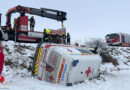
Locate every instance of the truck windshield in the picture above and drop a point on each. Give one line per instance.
(112, 36)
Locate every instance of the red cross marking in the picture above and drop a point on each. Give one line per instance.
(88, 71)
(69, 50)
(49, 69)
(51, 78)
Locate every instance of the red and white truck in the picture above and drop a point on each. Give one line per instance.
(118, 39)
(20, 31)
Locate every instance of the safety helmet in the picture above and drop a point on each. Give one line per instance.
(32, 16)
(47, 31)
(67, 32)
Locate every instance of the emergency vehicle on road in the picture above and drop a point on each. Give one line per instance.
(118, 39)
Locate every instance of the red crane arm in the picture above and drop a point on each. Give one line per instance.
(19, 9)
(43, 12)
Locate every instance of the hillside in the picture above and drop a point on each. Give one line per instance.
(17, 70)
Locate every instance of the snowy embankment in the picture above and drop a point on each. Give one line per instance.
(17, 71)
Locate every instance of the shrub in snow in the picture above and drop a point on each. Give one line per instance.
(103, 50)
(95, 42)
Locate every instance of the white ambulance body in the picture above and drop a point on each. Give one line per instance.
(67, 65)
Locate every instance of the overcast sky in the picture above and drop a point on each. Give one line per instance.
(85, 18)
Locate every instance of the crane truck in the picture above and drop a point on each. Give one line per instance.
(20, 31)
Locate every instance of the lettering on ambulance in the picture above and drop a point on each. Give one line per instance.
(61, 71)
(54, 61)
(69, 50)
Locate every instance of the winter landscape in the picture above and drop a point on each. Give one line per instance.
(101, 25)
(17, 71)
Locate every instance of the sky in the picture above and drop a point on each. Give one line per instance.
(85, 18)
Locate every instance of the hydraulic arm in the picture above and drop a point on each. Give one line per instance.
(20, 31)
(43, 12)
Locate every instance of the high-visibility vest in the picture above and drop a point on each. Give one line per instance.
(47, 31)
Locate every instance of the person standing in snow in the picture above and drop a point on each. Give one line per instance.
(1, 63)
(46, 35)
(57, 38)
(68, 38)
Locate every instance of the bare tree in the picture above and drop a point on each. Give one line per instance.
(95, 42)
(102, 49)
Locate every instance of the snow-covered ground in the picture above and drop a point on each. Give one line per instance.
(18, 58)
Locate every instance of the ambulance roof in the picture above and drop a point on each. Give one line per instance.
(76, 53)
(71, 50)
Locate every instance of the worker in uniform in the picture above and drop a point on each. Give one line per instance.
(46, 36)
(32, 23)
(64, 38)
(1, 63)
(57, 38)
(50, 39)
(68, 38)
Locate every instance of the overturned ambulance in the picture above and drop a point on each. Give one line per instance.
(65, 64)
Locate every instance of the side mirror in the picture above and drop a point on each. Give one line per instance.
(95, 50)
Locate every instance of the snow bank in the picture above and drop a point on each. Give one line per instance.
(17, 71)
(18, 58)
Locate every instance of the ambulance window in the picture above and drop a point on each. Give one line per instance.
(84, 51)
(93, 51)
